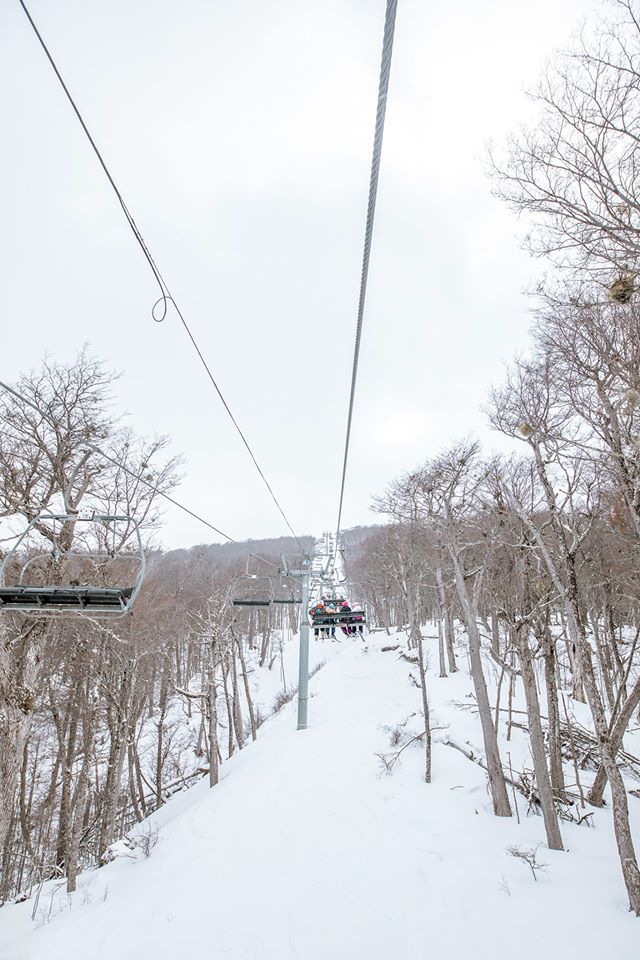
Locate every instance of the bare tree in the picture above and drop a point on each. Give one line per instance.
(525, 408)
(575, 174)
(443, 495)
(518, 542)
(46, 463)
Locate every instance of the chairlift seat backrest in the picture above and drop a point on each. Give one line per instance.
(252, 591)
(286, 593)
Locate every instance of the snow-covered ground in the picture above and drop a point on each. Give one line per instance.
(306, 851)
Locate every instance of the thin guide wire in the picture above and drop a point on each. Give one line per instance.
(165, 294)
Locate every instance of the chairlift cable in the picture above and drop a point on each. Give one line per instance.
(385, 69)
(165, 294)
(121, 466)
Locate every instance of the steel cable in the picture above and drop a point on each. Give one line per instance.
(383, 87)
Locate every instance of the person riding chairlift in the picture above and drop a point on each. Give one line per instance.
(358, 618)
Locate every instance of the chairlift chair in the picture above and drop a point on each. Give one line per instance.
(337, 616)
(252, 591)
(47, 598)
(285, 593)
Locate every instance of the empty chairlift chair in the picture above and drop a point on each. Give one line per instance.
(287, 593)
(59, 580)
(252, 591)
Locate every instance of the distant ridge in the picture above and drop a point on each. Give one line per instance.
(271, 547)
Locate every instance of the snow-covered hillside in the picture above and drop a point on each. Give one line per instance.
(306, 850)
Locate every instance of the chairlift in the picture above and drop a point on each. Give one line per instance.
(34, 592)
(329, 611)
(250, 590)
(286, 593)
(293, 564)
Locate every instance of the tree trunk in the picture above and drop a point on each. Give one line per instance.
(18, 669)
(605, 668)
(448, 620)
(82, 792)
(619, 804)
(596, 793)
(536, 738)
(227, 699)
(425, 708)
(553, 712)
(214, 767)
(237, 709)
(247, 690)
(498, 787)
(441, 660)
(162, 710)
(495, 633)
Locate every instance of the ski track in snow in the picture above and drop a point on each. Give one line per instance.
(304, 851)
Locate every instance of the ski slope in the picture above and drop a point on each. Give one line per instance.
(305, 851)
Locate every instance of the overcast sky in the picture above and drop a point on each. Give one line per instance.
(240, 135)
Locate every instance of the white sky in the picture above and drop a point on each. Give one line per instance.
(240, 135)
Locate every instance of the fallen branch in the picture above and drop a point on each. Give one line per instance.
(524, 783)
(587, 743)
(389, 760)
(527, 792)
(410, 658)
